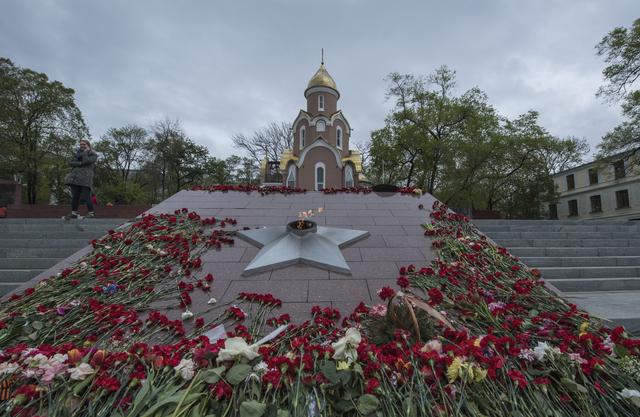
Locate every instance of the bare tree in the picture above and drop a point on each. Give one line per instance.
(269, 141)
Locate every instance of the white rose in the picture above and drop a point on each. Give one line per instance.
(80, 372)
(187, 315)
(185, 368)
(345, 347)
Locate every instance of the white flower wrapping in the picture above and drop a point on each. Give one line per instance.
(186, 369)
(237, 347)
(345, 347)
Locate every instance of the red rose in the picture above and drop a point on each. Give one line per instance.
(372, 384)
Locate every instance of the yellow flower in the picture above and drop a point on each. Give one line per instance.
(583, 328)
(480, 374)
(454, 370)
(342, 365)
(476, 342)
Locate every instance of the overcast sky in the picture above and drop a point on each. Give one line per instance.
(225, 67)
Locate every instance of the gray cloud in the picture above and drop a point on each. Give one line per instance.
(224, 67)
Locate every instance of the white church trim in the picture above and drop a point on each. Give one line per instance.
(320, 143)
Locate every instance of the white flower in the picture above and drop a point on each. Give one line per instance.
(80, 372)
(497, 305)
(629, 393)
(542, 348)
(433, 345)
(345, 347)
(379, 310)
(577, 358)
(608, 343)
(8, 367)
(261, 367)
(187, 315)
(36, 361)
(212, 301)
(185, 368)
(527, 355)
(237, 347)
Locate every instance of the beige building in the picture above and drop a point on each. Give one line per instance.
(320, 157)
(603, 189)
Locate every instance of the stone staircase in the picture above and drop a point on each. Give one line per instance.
(596, 264)
(31, 246)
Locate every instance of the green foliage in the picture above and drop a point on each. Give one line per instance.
(621, 51)
(39, 125)
(460, 149)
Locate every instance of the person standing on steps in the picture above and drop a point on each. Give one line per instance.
(80, 179)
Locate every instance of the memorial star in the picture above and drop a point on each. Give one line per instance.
(282, 246)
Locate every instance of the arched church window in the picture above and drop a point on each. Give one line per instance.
(302, 135)
(348, 177)
(291, 177)
(319, 176)
(321, 103)
(320, 126)
(339, 137)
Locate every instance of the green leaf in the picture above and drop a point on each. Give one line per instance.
(37, 325)
(143, 395)
(211, 376)
(238, 373)
(620, 351)
(345, 377)
(328, 368)
(282, 413)
(635, 401)
(166, 402)
(367, 404)
(252, 408)
(573, 386)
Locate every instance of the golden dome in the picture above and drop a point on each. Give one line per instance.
(322, 79)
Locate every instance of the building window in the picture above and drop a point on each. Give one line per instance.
(302, 135)
(618, 169)
(553, 211)
(593, 176)
(622, 199)
(571, 182)
(320, 126)
(573, 208)
(348, 176)
(319, 176)
(596, 204)
(339, 137)
(291, 178)
(321, 103)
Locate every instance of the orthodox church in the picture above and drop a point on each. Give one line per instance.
(320, 157)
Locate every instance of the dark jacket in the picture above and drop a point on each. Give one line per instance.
(82, 169)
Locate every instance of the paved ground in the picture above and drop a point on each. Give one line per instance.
(396, 239)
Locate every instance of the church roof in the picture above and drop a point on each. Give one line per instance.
(322, 79)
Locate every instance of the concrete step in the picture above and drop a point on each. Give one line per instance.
(43, 243)
(596, 284)
(562, 235)
(78, 222)
(620, 307)
(590, 272)
(574, 252)
(7, 287)
(56, 252)
(18, 275)
(28, 263)
(505, 222)
(569, 243)
(559, 228)
(93, 234)
(12, 228)
(581, 261)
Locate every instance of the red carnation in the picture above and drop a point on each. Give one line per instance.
(403, 281)
(372, 384)
(386, 293)
(435, 296)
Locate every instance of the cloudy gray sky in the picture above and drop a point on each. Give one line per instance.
(225, 67)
